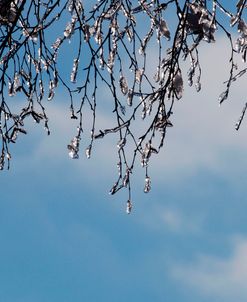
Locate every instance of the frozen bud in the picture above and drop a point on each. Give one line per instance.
(75, 142)
(51, 94)
(121, 143)
(198, 86)
(130, 97)
(17, 82)
(123, 85)
(223, 96)
(46, 128)
(138, 75)
(178, 84)
(55, 79)
(6, 116)
(126, 178)
(101, 58)
(129, 34)
(11, 89)
(238, 45)
(41, 88)
(86, 30)
(128, 207)
(163, 29)
(147, 186)
(111, 59)
(14, 135)
(73, 147)
(57, 44)
(113, 189)
(157, 75)
(88, 151)
(98, 37)
(74, 71)
(8, 156)
(114, 27)
(73, 154)
(69, 30)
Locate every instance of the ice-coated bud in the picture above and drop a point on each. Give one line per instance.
(88, 151)
(123, 85)
(128, 207)
(121, 143)
(130, 97)
(113, 189)
(73, 154)
(73, 147)
(147, 186)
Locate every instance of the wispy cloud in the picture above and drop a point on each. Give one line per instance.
(217, 277)
(171, 219)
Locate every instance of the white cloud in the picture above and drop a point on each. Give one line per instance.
(203, 133)
(171, 219)
(217, 277)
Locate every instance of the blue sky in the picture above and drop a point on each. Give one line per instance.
(63, 238)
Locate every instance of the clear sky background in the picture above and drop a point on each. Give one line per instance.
(63, 238)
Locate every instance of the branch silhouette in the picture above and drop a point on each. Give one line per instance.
(114, 42)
